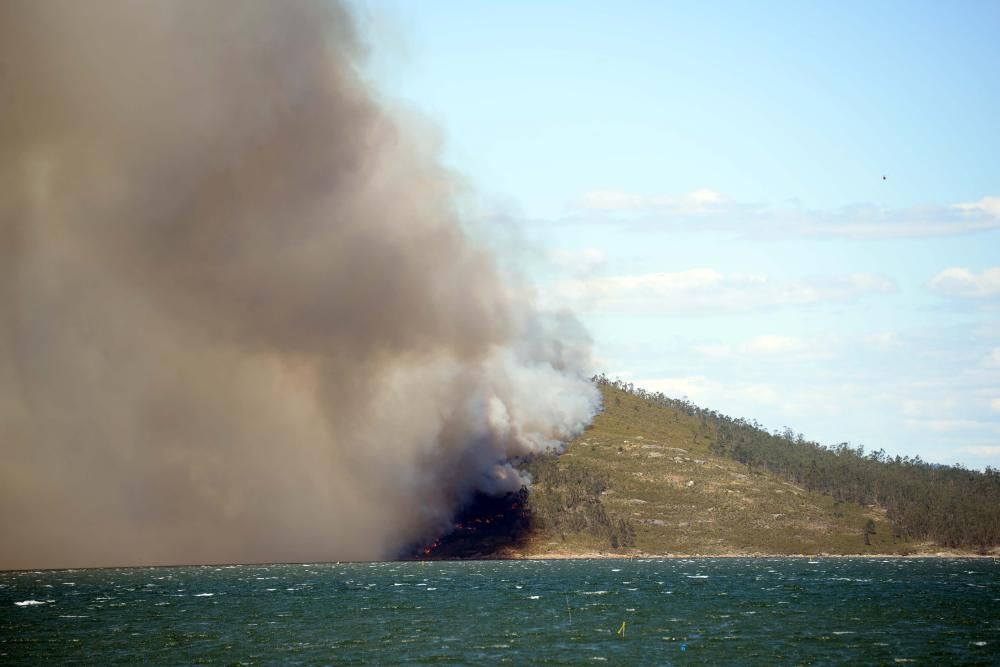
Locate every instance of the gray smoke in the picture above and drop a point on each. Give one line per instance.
(239, 319)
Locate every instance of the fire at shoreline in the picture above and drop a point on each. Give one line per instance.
(485, 527)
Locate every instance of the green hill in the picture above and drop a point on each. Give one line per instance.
(653, 475)
(664, 491)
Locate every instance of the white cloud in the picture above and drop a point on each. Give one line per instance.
(981, 450)
(709, 291)
(579, 260)
(698, 201)
(773, 344)
(758, 393)
(716, 211)
(946, 425)
(749, 398)
(719, 351)
(963, 283)
(694, 386)
(706, 392)
(995, 405)
(766, 345)
(870, 222)
(939, 405)
(883, 341)
(986, 205)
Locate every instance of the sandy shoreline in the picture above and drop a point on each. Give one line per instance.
(593, 555)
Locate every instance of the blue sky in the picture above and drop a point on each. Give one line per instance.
(702, 184)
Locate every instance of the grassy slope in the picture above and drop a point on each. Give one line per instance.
(681, 499)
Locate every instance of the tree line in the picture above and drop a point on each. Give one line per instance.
(567, 499)
(952, 506)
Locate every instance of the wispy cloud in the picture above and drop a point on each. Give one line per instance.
(713, 210)
(578, 260)
(967, 284)
(949, 425)
(987, 205)
(708, 391)
(703, 200)
(708, 291)
(769, 345)
(981, 450)
(751, 398)
(885, 340)
(775, 344)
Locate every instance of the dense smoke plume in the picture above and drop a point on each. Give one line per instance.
(239, 320)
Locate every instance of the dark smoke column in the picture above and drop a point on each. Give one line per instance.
(238, 318)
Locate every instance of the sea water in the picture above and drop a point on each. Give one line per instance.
(641, 611)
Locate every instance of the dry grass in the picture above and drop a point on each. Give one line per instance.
(681, 499)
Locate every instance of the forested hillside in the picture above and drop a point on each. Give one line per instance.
(949, 505)
(655, 475)
(643, 479)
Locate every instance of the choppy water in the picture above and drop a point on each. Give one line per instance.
(698, 611)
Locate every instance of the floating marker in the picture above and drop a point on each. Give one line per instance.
(621, 630)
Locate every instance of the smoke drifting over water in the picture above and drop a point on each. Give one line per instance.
(239, 320)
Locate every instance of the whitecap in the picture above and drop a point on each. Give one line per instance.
(534, 597)
(30, 603)
(980, 643)
(697, 576)
(203, 595)
(593, 592)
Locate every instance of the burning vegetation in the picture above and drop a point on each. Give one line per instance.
(486, 527)
(561, 500)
